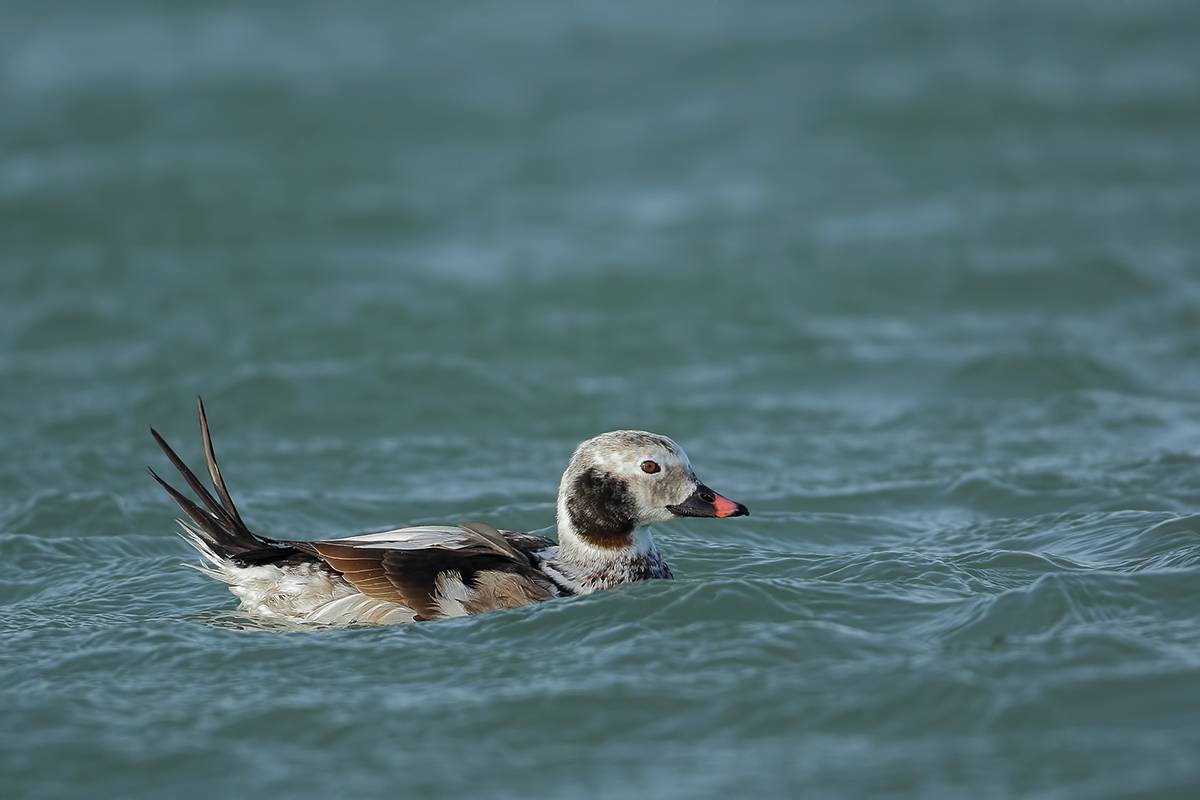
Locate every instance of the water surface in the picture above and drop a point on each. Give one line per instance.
(916, 282)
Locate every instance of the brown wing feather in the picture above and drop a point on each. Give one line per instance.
(495, 591)
(410, 577)
(415, 573)
(529, 544)
(363, 568)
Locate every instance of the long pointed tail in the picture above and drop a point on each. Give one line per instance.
(218, 524)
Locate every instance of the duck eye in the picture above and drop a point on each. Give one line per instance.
(650, 467)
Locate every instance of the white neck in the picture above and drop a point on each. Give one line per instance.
(585, 567)
(574, 548)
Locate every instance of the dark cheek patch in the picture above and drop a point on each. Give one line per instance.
(601, 508)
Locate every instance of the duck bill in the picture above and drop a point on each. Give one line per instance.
(704, 502)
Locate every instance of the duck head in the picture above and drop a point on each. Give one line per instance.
(620, 482)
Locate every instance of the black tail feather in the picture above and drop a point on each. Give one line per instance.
(211, 530)
(219, 524)
(214, 508)
(214, 472)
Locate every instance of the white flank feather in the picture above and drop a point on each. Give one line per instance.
(306, 592)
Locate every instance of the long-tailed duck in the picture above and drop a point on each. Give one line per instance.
(615, 485)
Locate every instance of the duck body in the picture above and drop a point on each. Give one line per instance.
(615, 486)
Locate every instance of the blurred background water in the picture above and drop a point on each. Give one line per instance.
(918, 282)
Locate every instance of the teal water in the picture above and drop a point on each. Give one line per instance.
(917, 282)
